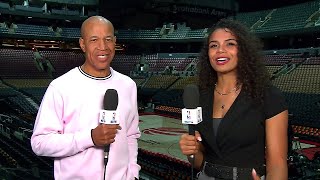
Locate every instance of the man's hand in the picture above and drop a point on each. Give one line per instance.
(104, 134)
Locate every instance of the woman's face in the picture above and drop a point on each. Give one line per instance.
(223, 51)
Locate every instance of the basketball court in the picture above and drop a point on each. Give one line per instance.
(161, 134)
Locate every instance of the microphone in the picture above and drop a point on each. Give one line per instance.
(191, 114)
(109, 114)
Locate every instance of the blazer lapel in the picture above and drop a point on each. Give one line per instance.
(239, 106)
(206, 101)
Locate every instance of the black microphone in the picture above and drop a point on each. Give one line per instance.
(109, 114)
(191, 114)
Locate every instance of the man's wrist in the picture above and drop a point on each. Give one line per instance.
(92, 138)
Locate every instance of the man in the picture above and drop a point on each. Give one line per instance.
(67, 127)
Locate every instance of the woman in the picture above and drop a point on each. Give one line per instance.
(244, 130)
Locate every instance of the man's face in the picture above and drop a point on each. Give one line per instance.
(98, 44)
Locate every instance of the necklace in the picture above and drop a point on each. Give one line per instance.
(235, 89)
(224, 94)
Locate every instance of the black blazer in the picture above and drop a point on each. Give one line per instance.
(240, 140)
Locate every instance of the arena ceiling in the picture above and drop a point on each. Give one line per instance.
(125, 13)
(249, 5)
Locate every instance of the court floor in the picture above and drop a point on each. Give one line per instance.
(161, 135)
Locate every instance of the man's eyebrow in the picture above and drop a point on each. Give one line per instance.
(109, 36)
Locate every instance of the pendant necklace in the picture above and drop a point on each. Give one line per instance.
(235, 89)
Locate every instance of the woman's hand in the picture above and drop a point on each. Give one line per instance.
(255, 175)
(189, 144)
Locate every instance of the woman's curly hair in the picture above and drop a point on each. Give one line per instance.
(251, 72)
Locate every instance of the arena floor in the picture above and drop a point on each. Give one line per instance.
(161, 134)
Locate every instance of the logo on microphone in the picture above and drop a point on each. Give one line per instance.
(199, 114)
(188, 115)
(114, 117)
(103, 117)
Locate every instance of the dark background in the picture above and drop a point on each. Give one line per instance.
(142, 14)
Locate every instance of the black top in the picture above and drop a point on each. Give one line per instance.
(216, 123)
(240, 141)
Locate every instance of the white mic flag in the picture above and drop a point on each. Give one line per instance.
(108, 117)
(191, 116)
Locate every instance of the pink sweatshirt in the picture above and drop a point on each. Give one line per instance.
(69, 110)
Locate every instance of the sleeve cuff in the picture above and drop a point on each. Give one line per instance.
(134, 169)
(84, 140)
